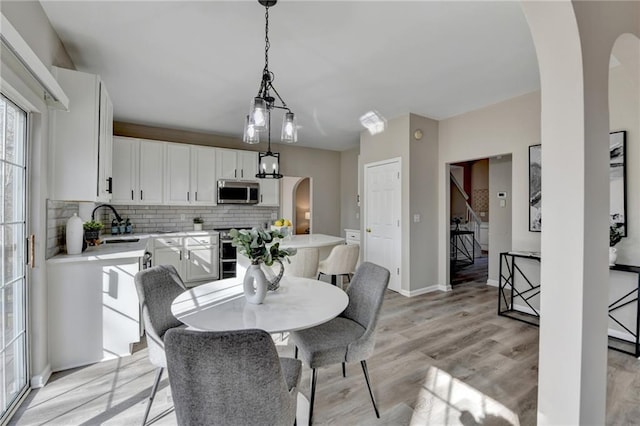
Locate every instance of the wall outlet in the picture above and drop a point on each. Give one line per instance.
(182, 217)
(274, 216)
(416, 218)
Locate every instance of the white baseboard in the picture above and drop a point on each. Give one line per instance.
(418, 292)
(622, 335)
(524, 308)
(493, 283)
(39, 380)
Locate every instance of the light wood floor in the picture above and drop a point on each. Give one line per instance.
(440, 358)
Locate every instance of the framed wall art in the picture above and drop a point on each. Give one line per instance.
(535, 188)
(618, 180)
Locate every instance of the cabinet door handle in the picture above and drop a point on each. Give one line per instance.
(187, 195)
(188, 254)
(132, 195)
(260, 197)
(235, 173)
(196, 195)
(241, 172)
(180, 254)
(110, 185)
(141, 197)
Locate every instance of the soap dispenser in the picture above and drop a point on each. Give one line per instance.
(115, 230)
(128, 227)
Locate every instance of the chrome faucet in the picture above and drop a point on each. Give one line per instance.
(118, 217)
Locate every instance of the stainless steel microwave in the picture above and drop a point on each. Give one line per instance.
(238, 192)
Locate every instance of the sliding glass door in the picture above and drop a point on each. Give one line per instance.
(13, 233)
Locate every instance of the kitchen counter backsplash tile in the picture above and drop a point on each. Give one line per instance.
(58, 212)
(149, 219)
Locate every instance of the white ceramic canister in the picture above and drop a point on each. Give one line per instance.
(74, 235)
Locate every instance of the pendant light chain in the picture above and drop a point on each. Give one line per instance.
(267, 45)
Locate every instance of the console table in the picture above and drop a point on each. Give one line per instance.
(460, 254)
(508, 293)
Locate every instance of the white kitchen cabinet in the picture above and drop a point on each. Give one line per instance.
(236, 164)
(169, 256)
(269, 192)
(191, 174)
(138, 171)
(93, 311)
(248, 164)
(203, 175)
(178, 172)
(226, 164)
(195, 257)
(80, 156)
(202, 258)
(352, 236)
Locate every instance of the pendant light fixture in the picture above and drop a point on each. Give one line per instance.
(259, 118)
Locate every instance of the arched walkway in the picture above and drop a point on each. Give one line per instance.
(573, 43)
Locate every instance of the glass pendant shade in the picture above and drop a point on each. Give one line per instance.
(269, 165)
(258, 114)
(251, 135)
(289, 128)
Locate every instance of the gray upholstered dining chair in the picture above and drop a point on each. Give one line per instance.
(230, 378)
(350, 337)
(157, 287)
(341, 262)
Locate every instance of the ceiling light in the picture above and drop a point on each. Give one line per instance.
(259, 118)
(373, 122)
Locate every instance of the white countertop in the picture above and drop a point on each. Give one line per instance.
(121, 250)
(299, 303)
(310, 240)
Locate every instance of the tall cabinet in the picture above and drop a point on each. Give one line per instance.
(82, 138)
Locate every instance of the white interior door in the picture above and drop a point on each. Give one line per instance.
(13, 274)
(382, 236)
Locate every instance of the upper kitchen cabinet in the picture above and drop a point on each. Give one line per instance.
(236, 164)
(269, 192)
(138, 171)
(191, 176)
(81, 148)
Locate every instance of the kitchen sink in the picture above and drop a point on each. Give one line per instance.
(121, 240)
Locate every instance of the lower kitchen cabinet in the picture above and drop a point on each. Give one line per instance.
(194, 257)
(169, 256)
(93, 311)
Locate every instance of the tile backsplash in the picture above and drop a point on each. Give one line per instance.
(148, 219)
(58, 212)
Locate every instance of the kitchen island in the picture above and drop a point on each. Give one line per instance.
(324, 243)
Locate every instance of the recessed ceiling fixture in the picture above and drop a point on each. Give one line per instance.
(373, 122)
(259, 118)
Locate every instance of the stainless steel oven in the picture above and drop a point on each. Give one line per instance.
(227, 255)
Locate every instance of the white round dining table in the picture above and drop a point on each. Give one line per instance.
(220, 305)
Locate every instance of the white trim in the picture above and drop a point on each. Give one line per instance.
(39, 380)
(524, 308)
(418, 292)
(622, 335)
(11, 38)
(493, 283)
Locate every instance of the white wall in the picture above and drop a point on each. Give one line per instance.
(509, 127)
(424, 202)
(624, 114)
(30, 21)
(500, 217)
(349, 209)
